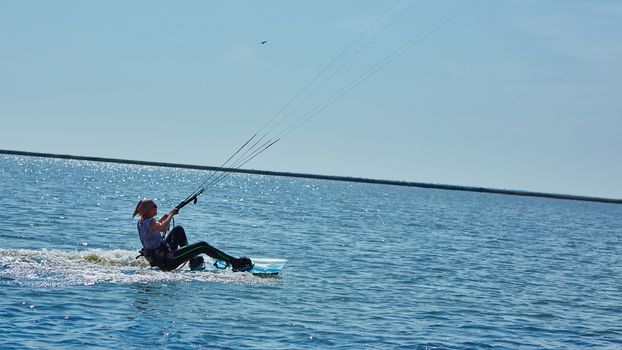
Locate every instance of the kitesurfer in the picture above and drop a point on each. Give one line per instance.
(173, 251)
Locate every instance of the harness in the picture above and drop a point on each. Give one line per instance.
(155, 257)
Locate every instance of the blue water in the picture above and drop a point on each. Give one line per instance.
(369, 266)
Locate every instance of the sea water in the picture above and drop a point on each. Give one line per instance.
(369, 266)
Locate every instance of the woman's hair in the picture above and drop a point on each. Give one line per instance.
(142, 207)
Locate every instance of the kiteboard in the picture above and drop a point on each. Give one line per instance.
(262, 267)
(266, 267)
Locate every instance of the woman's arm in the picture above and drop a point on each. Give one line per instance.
(164, 222)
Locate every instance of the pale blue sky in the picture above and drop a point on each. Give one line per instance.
(511, 94)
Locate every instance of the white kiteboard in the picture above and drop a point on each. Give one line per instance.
(263, 267)
(267, 266)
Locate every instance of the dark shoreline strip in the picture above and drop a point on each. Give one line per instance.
(321, 177)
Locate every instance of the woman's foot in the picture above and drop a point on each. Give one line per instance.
(241, 264)
(196, 263)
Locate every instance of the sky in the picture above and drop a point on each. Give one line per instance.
(521, 95)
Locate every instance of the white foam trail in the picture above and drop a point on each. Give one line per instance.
(56, 268)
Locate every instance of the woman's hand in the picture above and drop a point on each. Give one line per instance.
(173, 212)
(163, 224)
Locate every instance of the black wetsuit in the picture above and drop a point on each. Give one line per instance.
(176, 251)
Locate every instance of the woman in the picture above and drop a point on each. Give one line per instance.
(174, 250)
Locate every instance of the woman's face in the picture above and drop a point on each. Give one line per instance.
(153, 211)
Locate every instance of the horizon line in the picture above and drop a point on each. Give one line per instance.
(320, 177)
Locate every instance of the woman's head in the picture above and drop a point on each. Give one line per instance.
(144, 207)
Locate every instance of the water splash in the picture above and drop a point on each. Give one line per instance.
(56, 268)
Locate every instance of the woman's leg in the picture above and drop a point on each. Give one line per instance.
(187, 252)
(176, 238)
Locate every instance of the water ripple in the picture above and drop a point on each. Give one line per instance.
(368, 266)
